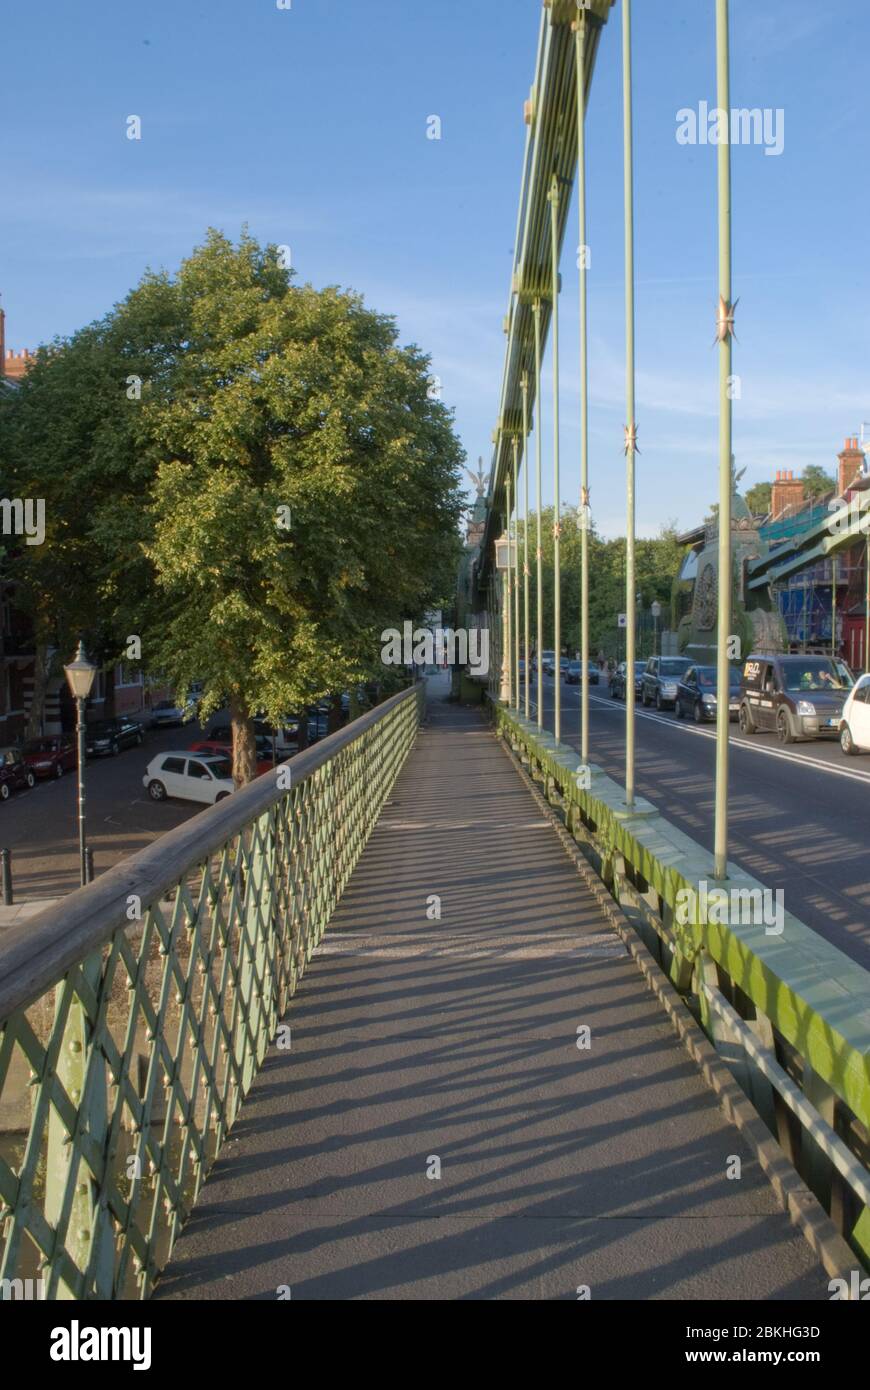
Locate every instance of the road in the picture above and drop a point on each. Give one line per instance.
(41, 829)
(798, 815)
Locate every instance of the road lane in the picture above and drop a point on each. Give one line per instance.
(798, 815)
(41, 827)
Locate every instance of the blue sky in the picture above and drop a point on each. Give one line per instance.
(310, 123)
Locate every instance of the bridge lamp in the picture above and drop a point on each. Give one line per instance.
(80, 678)
(503, 560)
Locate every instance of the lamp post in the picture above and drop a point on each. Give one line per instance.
(656, 610)
(503, 567)
(80, 678)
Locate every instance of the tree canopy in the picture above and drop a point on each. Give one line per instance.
(657, 560)
(250, 475)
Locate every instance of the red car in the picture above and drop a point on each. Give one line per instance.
(14, 773)
(225, 747)
(50, 757)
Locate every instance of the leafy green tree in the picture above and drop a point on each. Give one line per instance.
(277, 489)
(817, 483)
(758, 498)
(72, 434)
(657, 560)
(306, 496)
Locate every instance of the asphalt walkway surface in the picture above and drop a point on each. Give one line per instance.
(435, 1132)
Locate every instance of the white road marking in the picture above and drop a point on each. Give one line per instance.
(738, 741)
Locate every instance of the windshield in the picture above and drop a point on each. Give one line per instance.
(708, 678)
(672, 668)
(812, 673)
(39, 745)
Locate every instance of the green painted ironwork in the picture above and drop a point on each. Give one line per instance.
(809, 1000)
(631, 422)
(539, 548)
(516, 573)
(723, 635)
(580, 32)
(527, 648)
(135, 1014)
(557, 506)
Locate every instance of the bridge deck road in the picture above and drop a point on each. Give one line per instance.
(451, 1044)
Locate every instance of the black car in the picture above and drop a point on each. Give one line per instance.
(107, 737)
(574, 674)
(660, 680)
(617, 680)
(696, 694)
(15, 774)
(800, 697)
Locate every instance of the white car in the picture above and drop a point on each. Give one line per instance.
(204, 777)
(855, 723)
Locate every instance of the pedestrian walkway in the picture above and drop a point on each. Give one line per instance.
(435, 1132)
(14, 914)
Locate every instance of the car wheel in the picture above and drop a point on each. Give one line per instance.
(847, 743)
(115, 749)
(156, 790)
(783, 727)
(30, 779)
(699, 712)
(4, 791)
(613, 694)
(678, 708)
(659, 701)
(221, 796)
(140, 739)
(58, 769)
(745, 722)
(644, 701)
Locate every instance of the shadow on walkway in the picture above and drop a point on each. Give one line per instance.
(426, 1044)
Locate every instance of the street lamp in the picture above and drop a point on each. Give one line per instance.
(656, 610)
(505, 550)
(80, 678)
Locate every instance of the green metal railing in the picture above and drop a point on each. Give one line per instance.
(789, 1012)
(135, 1014)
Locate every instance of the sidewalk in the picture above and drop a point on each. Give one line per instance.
(13, 916)
(424, 1047)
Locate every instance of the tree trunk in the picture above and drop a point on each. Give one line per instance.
(333, 719)
(41, 668)
(302, 737)
(244, 745)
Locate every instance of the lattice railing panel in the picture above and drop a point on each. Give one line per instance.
(120, 1080)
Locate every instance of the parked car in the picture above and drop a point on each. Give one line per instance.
(574, 674)
(286, 737)
(618, 679)
(15, 774)
(696, 694)
(533, 671)
(660, 680)
(800, 697)
(166, 713)
(855, 723)
(548, 662)
(224, 749)
(50, 756)
(189, 776)
(108, 736)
